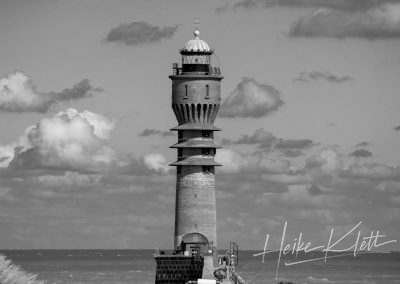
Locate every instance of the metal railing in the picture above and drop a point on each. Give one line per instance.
(176, 70)
(233, 255)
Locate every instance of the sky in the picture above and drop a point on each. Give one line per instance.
(310, 120)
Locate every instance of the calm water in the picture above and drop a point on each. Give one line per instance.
(138, 266)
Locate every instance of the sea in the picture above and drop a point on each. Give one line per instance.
(138, 266)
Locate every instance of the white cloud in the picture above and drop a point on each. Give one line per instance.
(157, 162)
(311, 76)
(68, 140)
(378, 22)
(137, 33)
(18, 93)
(69, 179)
(251, 99)
(345, 5)
(326, 162)
(6, 154)
(372, 170)
(235, 162)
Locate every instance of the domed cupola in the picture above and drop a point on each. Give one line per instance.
(196, 44)
(196, 55)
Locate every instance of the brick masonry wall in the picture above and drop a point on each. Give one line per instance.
(178, 269)
(196, 90)
(195, 204)
(196, 100)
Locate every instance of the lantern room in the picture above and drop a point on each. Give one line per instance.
(196, 55)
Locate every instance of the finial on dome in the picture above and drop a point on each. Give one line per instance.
(196, 44)
(196, 27)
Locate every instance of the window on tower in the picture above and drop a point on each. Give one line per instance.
(207, 169)
(207, 92)
(180, 153)
(180, 135)
(186, 92)
(206, 151)
(206, 133)
(178, 170)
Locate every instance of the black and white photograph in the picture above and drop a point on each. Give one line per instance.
(199, 142)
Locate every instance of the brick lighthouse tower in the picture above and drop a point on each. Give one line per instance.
(195, 102)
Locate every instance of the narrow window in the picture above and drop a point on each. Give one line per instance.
(199, 113)
(206, 151)
(187, 112)
(204, 113)
(180, 135)
(194, 117)
(206, 133)
(207, 92)
(186, 92)
(178, 170)
(180, 152)
(206, 169)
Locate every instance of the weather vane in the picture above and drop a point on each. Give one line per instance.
(196, 23)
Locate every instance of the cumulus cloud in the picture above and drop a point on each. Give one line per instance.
(73, 141)
(151, 132)
(319, 75)
(235, 162)
(372, 171)
(292, 153)
(314, 190)
(156, 162)
(366, 19)
(69, 179)
(267, 141)
(361, 153)
(326, 163)
(251, 99)
(137, 33)
(377, 22)
(18, 93)
(363, 144)
(294, 144)
(258, 137)
(345, 5)
(6, 154)
(68, 140)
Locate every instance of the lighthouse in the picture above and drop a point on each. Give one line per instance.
(195, 101)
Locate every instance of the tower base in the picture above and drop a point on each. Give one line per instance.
(178, 269)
